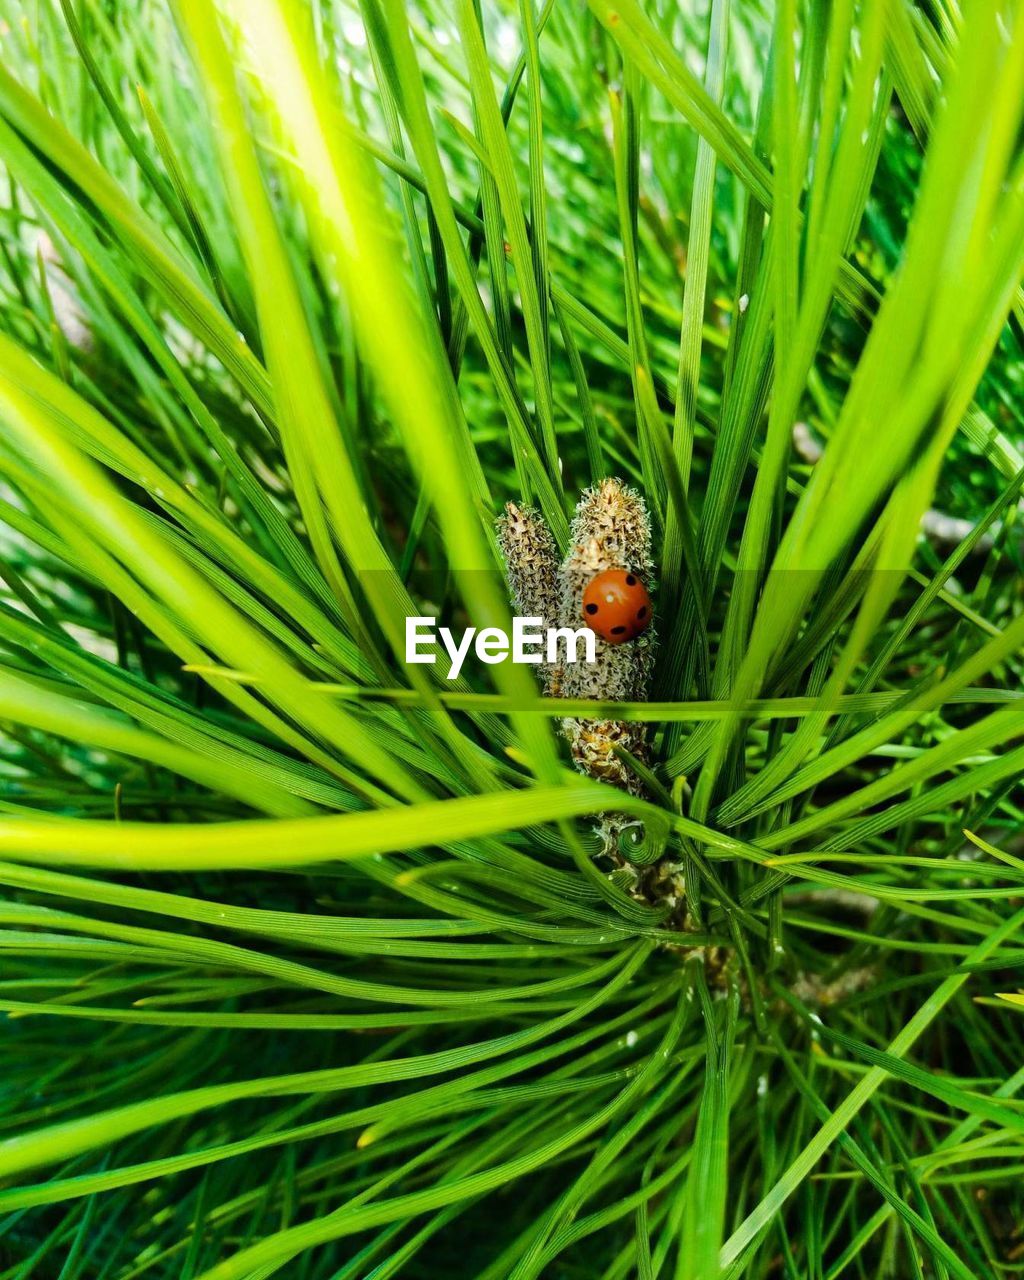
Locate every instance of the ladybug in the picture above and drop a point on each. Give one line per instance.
(616, 605)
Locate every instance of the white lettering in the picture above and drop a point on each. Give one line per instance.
(492, 645)
(414, 639)
(529, 643)
(526, 631)
(572, 640)
(457, 652)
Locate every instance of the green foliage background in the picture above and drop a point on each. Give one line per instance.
(310, 962)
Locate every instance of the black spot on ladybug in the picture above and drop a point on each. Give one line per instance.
(630, 580)
(618, 631)
(591, 608)
(641, 613)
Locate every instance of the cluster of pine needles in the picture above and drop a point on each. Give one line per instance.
(314, 964)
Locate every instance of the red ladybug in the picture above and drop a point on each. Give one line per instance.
(616, 605)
